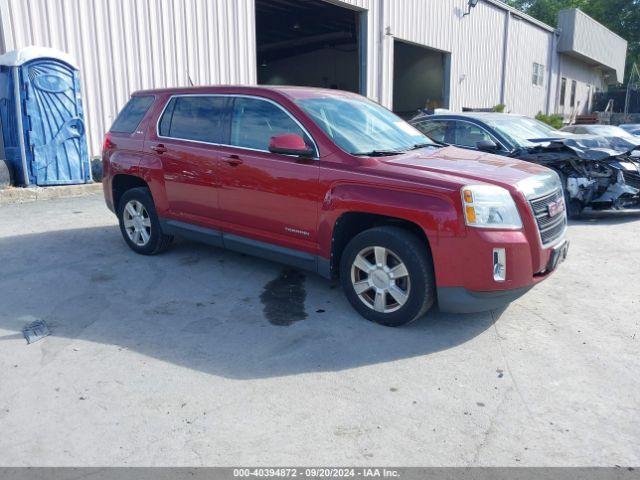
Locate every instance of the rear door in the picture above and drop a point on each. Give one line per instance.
(55, 123)
(186, 142)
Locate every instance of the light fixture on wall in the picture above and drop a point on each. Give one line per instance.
(471, 4)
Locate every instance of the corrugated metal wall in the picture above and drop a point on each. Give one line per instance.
(474, 41)
(126, 45)
(476, 44)
(527, 44)
(582, 35)
(587, 81)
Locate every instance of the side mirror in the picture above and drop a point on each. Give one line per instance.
(487, 146)
(290, 144)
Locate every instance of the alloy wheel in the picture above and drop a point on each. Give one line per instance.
(137, 223)
(380, 279)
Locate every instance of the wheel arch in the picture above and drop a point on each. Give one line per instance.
(122, 183)
(352, 223)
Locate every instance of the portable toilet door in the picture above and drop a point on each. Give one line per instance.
(49, 117)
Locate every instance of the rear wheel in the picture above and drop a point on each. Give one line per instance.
(387, 275)
(139, 223)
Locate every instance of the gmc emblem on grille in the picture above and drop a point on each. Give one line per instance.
(556, 207)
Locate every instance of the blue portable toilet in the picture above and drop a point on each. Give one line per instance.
(41, 118)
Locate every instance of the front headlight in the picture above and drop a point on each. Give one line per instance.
(489, 206)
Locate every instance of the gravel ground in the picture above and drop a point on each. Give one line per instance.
(191, 358)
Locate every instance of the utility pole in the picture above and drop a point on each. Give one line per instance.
(633, 83)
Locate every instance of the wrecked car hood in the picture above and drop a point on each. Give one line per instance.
(591, 147)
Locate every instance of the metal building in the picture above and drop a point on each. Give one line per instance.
(406, 54)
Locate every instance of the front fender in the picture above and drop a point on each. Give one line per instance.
(434, 212)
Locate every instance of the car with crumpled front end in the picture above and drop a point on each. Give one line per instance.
(596, 171)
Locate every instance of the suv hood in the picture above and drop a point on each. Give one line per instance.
(468, 165)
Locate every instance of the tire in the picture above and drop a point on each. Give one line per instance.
(96, 169)
(416, 288)
(5, 174)
(138, 202)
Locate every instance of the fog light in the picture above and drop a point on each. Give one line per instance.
(499, 264)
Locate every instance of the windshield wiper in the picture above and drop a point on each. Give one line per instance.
(379, 153)
(426, 144)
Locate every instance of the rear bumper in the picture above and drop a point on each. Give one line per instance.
(461, 300)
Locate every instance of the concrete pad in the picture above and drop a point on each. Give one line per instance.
(32, 194)
(171, 361)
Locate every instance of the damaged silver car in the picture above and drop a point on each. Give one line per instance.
(597, 172)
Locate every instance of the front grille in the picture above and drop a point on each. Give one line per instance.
(551, 228)
(632, 179)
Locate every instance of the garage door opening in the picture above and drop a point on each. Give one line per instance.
(420, 79)
(310, 42)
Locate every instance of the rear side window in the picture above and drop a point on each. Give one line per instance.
(255, 121)
(132, 114)
(199, 118)
(435, 130)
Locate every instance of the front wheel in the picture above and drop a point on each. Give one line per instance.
(387, 276)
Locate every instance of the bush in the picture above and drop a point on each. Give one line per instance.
(499, 108)
(554, 121)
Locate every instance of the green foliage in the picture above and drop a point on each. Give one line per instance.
(499, 108)
(620, 16)
(554, 121)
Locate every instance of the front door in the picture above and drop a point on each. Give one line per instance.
(266, 196)
(55, 124)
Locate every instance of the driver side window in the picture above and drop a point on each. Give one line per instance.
(468, 135)
(435, 130)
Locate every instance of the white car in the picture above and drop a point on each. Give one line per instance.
(632, 128)
(603, 131)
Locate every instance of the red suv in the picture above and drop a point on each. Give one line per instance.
(331, 182)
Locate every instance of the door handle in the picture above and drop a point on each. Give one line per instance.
(232, 160)
(160, 148)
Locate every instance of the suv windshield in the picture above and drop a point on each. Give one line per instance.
(520, 130)
(362, 127)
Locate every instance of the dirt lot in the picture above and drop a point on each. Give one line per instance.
(187, 359)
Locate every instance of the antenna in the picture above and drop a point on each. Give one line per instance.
(190, 81)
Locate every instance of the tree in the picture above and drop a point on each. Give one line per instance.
(620, 16)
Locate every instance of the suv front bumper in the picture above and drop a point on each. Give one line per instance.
(463, 300)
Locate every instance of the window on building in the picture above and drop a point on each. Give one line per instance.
(563, 91)
(256, 121)
(132, 114)
(538, 74)
(574, 86)
(199, 118)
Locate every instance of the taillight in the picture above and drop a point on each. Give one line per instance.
(108, 144)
